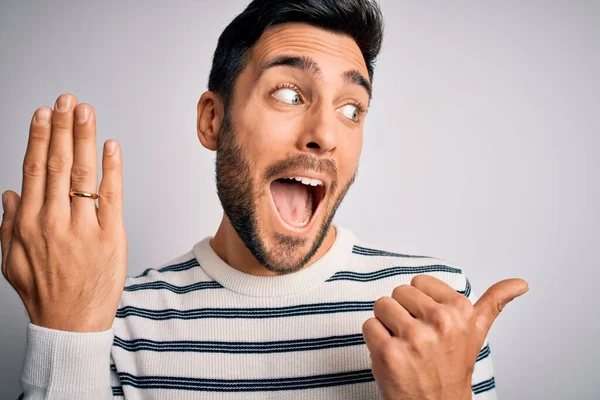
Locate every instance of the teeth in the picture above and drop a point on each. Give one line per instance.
(306, 181)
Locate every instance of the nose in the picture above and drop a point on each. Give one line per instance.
(318, 132)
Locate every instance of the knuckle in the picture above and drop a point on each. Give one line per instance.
(390, 355)
(412, 333)
(419, 279)
(40, 134)
(381, 304)
(464, 305)
(442, 319)
(22, 226)
(49, 225)
(368, 325)
(398, 290)
(62, 123)
(109, 196)
(4, 229)
(80, 173)
(33, 168)
(58, 164)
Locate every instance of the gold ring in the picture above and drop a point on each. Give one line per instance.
(83, 194)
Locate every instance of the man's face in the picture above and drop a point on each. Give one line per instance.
(297, 112)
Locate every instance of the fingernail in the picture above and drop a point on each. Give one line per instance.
(63, 103)
(82, 113)
(4, 198)
(111, 148)
(42, 116)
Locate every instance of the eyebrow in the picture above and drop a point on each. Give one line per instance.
(305, 63)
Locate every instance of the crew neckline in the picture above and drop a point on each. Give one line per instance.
(280, 285)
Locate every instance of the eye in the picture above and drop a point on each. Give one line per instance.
(287, 95)
(350, 111)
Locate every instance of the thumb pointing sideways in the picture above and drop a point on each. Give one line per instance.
(491, 303)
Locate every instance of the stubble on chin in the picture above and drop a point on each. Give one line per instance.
(285, 254)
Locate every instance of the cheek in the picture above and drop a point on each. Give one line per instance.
(349, 155)
(267, 135)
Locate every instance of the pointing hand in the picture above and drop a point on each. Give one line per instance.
(424, 340)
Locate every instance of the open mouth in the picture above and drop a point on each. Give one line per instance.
(297, 199)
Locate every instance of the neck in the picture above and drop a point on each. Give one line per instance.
(231, 249)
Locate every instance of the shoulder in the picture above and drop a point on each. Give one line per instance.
(379, 262)
(182, 262)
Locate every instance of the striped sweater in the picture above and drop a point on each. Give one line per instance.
(197, 328)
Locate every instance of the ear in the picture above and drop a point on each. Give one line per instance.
(210, 118)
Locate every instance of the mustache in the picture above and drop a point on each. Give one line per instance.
(304, 162)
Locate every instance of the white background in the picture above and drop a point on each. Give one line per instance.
(480, 148)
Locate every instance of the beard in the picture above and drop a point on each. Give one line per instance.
(239, 196)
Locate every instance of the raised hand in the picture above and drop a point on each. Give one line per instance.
(424, 340)
(65, 257)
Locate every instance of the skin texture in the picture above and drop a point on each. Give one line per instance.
(313, 135)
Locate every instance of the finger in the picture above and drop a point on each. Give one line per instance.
(60, 156)
(33, 191)
(8, 219)
(110, 209)
(392, 315)
(435, 288)
(84, 173)
(417, 303)
(374, 333)
(491, 303)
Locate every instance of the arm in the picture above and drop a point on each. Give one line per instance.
(66, 257)
(66, 365)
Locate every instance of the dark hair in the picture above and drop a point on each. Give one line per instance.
(360, 19)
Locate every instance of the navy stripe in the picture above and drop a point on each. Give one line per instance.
(256, 313)
(483, 353)
(117, 391)
(175, 267)
(250, 347)
(467, 291)
(156, 285)
(246, 385)
(113, 367)
(384, 273)
(484, 386)
(241, 347)
(365, 251)
(341, 275)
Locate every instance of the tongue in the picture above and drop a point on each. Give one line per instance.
(293, 201)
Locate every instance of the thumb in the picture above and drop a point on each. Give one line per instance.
(10, 201)
(491, 303)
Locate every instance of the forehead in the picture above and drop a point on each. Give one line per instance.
(329, 49)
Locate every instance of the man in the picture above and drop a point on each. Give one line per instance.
(279, 302)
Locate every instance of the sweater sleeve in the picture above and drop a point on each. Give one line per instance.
(483, 383)
(66, 365)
